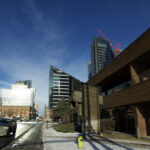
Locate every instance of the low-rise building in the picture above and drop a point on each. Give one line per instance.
(18, 101)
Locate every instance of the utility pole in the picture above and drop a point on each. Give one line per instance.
(83, 113)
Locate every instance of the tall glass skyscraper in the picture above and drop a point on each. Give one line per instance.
(101, 55)
(61, 86)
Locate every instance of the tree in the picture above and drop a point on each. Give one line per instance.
(62, 111)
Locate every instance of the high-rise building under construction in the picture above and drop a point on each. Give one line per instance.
(101, 55)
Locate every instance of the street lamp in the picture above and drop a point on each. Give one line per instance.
(1, 105)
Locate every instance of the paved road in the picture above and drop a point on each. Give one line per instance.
(32, 140)
(22, 128)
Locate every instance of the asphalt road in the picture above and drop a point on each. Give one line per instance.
(28, 136)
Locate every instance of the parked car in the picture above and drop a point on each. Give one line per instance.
(7, 126)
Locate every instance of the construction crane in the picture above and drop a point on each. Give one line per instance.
(116, 50)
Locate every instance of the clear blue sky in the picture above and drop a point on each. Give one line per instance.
(37, 33)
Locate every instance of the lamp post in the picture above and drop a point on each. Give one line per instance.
(1, 105)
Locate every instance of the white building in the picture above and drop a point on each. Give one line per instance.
(18, 101)
(18, 95)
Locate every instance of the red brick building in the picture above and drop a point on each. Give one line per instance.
(22, 112)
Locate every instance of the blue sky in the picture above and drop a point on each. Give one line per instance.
(35, 34)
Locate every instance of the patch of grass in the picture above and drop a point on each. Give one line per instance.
(65, 128)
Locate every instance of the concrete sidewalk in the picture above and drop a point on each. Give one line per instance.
(53, 140)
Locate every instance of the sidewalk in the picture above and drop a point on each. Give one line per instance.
(53, 140)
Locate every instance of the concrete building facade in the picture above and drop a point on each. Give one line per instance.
(129, 107)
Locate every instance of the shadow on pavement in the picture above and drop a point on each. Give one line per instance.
(32, 144)
(110, 141)
(90, 140)
(5, 140)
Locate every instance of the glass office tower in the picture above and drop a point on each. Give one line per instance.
(101, 55)
(61, 86)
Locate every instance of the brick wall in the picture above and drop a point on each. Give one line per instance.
(16, 111)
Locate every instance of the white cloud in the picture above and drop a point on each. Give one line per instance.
(21, 63)
(48, 27)
(26, 69)
(35, 66)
